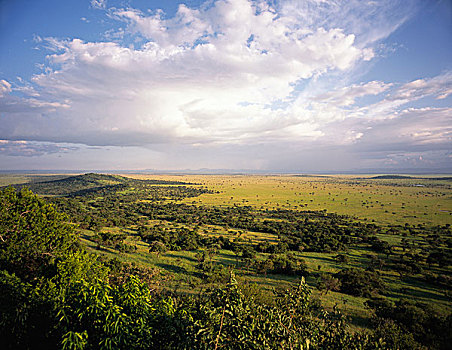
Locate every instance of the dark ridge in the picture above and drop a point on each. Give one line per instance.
(80, 185)
(96, 190)
(46, 178)
(392, 177)
(401, 177)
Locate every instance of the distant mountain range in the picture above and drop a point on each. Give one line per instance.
(399, 177)
(208, 171)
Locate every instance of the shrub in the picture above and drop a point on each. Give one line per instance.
(284, 265)
(33, 234)
(359, 282)
(327, 282)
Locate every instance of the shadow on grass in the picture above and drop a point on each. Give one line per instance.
(100, 248)
(359, 320)
(272, 278)
(182, 257)
(179, 270)
(227, 259)
(172, 268)
(410, 293)
(321, 258)
(312, 279)
(228, 255)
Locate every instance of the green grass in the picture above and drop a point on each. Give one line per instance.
(179, 269)
(6, 180)
(385, 202)
(388, 203)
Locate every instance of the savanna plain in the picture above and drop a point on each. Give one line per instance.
(374, 249)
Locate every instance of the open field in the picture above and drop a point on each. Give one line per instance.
(386, 201)
(179, 269)
(18, 179)
(403, 210)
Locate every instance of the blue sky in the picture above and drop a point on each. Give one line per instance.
(295, 86)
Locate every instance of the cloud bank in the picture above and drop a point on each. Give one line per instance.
(228, 77)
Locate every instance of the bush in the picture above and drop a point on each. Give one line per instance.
(416, 319)
(33, 233)
(125, 248)
(157, 247)
(284, 265)
(326, 282)
(359, 282)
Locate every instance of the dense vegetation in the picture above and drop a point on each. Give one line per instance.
(69, 299)
(55, 292)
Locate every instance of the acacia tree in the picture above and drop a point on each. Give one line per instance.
(328, 283)
(157, 247)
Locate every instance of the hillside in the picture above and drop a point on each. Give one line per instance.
(90, 183)
(391, 177)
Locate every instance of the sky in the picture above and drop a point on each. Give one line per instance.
(279, 85)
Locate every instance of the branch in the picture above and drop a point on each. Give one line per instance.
(221, 326)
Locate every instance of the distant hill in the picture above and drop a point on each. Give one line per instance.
(401, 177)
(89, 183)
(391, 177)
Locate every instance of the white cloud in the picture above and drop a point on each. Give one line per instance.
(99, 4)
(440, 87)
(227, 76)
(347, 96)
(5, 88)
(370, 21)
(205, 75)
(31, 149)
(419, 129)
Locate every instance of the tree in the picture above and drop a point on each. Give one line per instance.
(157, 247)
(32, 233)
(341, 258)
(327, 282)
(359, 282)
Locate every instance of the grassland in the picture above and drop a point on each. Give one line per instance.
(384, 201)
(420, 202)
(21, 179)
(387, 202)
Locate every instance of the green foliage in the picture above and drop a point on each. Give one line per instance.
(327, 282)
(301, 230)
(55, 294)
(74, 341)
(413, 320)
(441, 257)
(226, 318)
(380, 246)
(287, 264)
(394, 336)
(32, 233)
(245, 251)
(172, 239)
(89, 184)
(229, 319)
(359, 282)
(157, 247)
(109, 239)
(341, 258)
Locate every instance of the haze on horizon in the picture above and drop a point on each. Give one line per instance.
(295, 86)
